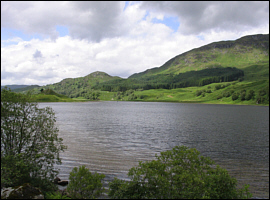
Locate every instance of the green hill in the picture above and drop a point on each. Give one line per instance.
(242, 53)
(48, 95)
(234, 72)
(82, 86)
(242, 65)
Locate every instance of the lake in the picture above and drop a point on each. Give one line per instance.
(111, 137)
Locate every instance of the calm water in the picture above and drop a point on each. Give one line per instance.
(111, 137)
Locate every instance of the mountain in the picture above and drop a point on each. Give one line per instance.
(241, 53)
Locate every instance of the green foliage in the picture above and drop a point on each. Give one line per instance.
(178, 173)
(30, 145)
(219, 96)
(250, 95)
(198, 93)
(56, 195)
(243, 95)
(217, 87)
(85, 185)
(235, 96)
(172, 81)
(226, 94)
(14, 170)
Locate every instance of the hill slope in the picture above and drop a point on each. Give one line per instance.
(244, 62)
(77, 87)
(242, 53)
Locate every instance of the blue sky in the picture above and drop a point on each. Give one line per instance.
(73, 39)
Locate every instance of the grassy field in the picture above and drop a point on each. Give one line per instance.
(210, 94)
(188, 95)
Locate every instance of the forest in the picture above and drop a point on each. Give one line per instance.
(171, 81)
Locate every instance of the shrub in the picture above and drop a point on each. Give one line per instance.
(250, 95)
(178, 173)
(56, 195)
(85, 185)
(235, 96)
(243, 96)
(219, 96)
(198, 92)
(226, 94)
(217, 87)
(262, 92)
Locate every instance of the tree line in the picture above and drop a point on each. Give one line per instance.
(171, 81)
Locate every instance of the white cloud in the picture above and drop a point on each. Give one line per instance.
(91, 20)
(204, 16)
(70, 58)
(105, 37)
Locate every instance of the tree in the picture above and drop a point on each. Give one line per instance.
(198, 92)
(30, 145)
(250, 95)
(235, 96)
(85, 185)
(177, 173)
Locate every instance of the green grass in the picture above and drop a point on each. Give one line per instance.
(187, 95)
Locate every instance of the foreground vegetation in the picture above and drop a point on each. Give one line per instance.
(30, 145)
(180, 173)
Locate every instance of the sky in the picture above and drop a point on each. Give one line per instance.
(44, 42)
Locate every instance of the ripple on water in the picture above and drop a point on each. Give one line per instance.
(111, 137)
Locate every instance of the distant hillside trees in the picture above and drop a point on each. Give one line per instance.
(171, 81)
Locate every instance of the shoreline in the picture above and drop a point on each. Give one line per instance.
(187, 102)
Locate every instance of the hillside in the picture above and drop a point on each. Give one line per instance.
(241, 65)
(242, 53)
(79, 87)
(48, 95)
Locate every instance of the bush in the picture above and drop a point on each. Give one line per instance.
(217, 87)
(219, 96)
(56, 195)
(178, 173)
(226, 94)
(235, 96)
(250, 95)
(198, 92)
(85, 185)
(262, 92)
